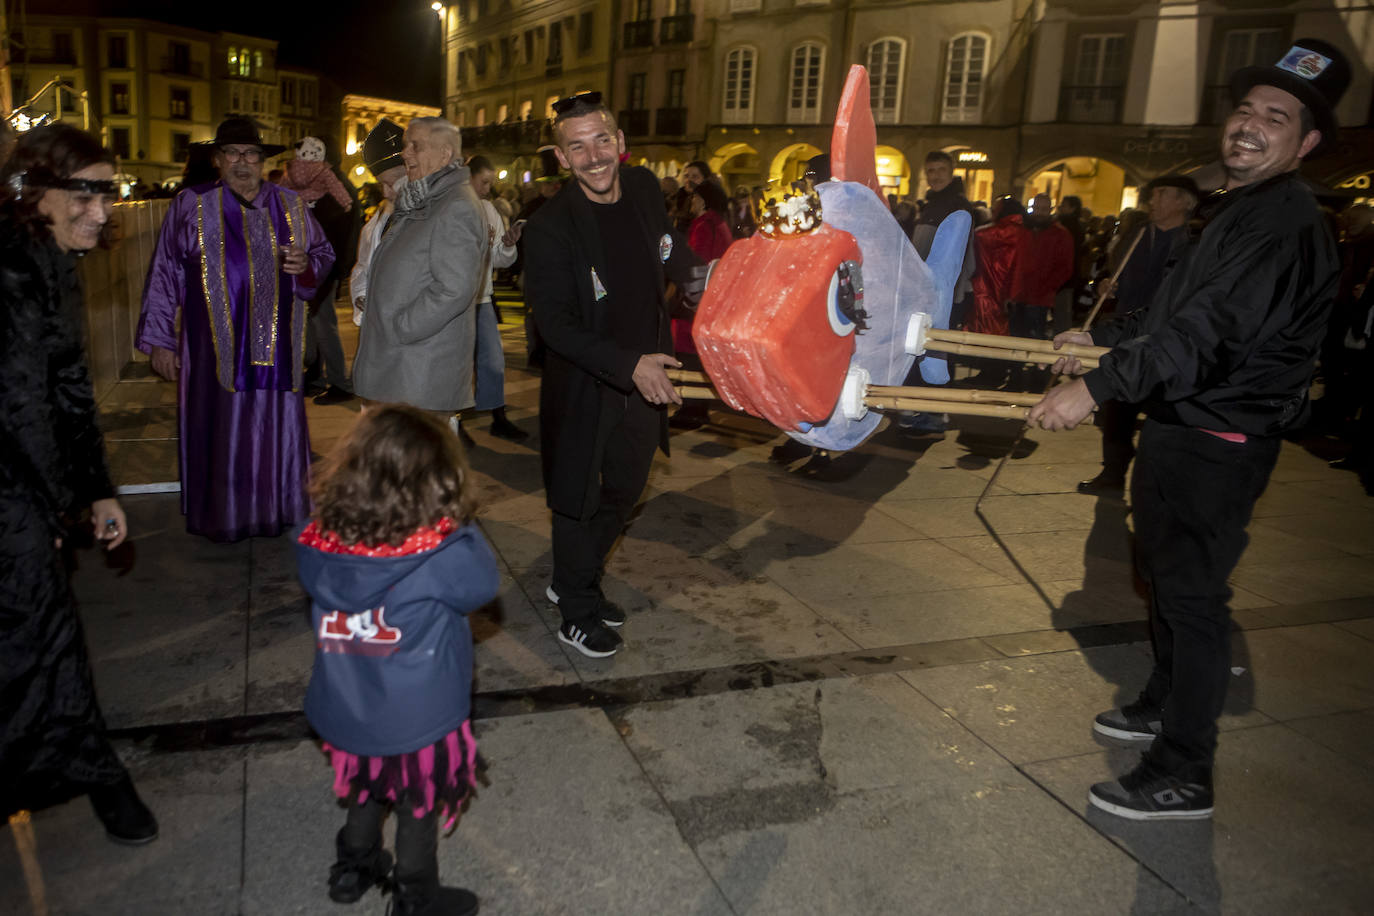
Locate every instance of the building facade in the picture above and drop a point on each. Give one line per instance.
(1086, 97)
(150, 90)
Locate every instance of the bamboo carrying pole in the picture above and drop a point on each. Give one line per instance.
(936, 405)
(1041, 358)
(21, 828)
(961, 395)
(1087, 326)
(1015, 344)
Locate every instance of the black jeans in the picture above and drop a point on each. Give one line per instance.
(628, 432)
(1192, 494)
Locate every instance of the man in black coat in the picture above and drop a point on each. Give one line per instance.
(1221, 361)
(598, 257)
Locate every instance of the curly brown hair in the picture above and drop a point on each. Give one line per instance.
(396, 470)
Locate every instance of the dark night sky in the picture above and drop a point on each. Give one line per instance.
(388, 48)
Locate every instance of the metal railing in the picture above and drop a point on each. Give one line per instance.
(670, 122)
(639, 34)
(676, 29)
(634, 122)
(1090, 104)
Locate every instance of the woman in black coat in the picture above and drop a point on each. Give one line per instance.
(56, 192)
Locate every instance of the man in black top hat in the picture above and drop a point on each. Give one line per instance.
(382, 156)
(1221, 360)
(1171, 199)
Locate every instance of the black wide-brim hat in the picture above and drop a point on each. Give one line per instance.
(383, 145)
(241, 131)
(1314, 71)
(549, 166)
(1172, 180)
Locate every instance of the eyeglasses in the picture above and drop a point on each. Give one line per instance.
(562, 106)
(247, 155)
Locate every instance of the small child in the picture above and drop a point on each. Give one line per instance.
(393, 565)
(310, 176)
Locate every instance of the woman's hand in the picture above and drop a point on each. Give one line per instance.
(107, 518)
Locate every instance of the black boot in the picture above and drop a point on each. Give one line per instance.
(357, 870)
(504, 428)
(127, 820)
(422, 895)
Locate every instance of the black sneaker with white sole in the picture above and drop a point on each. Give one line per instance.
(1135, 722)
(1148, 793)
(611, 614)
(589, 637)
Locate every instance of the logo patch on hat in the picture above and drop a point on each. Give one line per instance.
(1305, 63)
(665, 248)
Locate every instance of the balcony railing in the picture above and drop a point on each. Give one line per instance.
(634, 122)
(512, 135)
(670, 122)
(1090, 104)
(182, 67)
(639, 34)
(676, 29)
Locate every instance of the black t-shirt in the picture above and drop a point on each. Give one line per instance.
(632, 281)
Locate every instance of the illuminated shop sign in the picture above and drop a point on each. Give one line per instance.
(971, 156)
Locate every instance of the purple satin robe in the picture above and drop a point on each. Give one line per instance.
(244, 450)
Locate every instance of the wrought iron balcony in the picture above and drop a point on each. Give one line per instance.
(670, 122)
(639, 34)
(1090, 104)
(634, 122)
(676, 29)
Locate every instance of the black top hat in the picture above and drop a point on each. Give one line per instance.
(245, 132)
(1314, 71)
(1172, 180)
(382, 147)
(548, 165)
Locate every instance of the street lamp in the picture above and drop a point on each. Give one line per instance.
(438, 8)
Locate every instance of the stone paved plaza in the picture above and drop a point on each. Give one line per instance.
(843, 691)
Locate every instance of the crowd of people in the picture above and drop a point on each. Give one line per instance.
(1221, 303)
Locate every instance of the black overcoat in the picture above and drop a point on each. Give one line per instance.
(52, 464)
(562, 248)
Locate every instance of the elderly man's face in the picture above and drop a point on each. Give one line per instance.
(482, 181)
(240, 167)
(1169, 206)
(1264, 137)
(424, 153)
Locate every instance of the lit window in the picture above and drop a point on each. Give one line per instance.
(964, 71)
(804, 92)
(738, 103)
(885, 78)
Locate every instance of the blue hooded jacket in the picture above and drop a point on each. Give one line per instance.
(393, 650)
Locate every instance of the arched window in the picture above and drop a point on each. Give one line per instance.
(737, 106)
(804, 83)
(885, 59)
(964, 71)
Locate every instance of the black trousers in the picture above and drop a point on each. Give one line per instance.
(1117, 422)
(627, 434)
(1192, 495)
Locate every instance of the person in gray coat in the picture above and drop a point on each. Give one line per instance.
(419, 331)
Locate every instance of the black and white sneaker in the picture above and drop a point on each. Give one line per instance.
(1147, 793)
(1135, 722)
(611, 614)
(590, 638)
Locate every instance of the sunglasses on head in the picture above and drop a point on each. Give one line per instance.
(85, 185)
(562, 106)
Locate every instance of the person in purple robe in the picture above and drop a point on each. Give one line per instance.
(239, 258)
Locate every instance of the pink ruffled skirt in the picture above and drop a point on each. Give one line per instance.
(441, 775)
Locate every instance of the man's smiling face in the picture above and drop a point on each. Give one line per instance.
(590, 146)
(1264, 137)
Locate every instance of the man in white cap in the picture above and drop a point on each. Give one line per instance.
(1221, 361)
